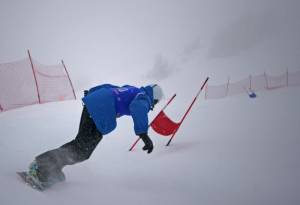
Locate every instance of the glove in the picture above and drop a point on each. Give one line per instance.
(85, 92)
(148, 143)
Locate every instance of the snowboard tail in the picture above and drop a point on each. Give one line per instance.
(31, 181)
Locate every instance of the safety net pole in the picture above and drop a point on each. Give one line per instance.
(69, 78)
(34, 75)
(171, 99)
(188, 110)
(287, 77)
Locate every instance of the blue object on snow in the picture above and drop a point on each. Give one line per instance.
(252, 95)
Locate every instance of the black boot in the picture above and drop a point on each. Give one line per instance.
(49, 166)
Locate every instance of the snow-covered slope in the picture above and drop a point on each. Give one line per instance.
(231, 151)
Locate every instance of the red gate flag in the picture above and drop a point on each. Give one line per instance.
(164, 125)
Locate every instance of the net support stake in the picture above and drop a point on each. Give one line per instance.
(227, 86)
(62, 62)
(34, 75)
(287, 77)
(266, 78)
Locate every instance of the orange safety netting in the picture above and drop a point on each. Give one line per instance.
(253, 83)
(27, 82)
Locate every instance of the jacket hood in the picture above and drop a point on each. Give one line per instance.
(149, 91)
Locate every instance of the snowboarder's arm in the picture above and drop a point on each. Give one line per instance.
(139, 109)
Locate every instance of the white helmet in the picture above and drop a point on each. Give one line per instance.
(157, 92)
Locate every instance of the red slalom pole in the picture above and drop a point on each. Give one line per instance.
(133, 145)
(188, 110)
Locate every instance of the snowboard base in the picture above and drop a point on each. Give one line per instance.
(30, 181)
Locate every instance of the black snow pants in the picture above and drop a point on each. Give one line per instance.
(51, 163)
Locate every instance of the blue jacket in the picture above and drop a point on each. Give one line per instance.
(105, 103)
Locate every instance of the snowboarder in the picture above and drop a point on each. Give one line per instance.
(101, 106)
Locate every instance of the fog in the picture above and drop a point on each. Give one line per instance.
(229, 151)
(146, 41)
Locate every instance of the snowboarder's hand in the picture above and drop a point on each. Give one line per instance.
(148, 143)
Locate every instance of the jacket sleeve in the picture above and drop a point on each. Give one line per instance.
(139, 108)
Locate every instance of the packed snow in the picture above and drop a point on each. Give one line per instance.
(232, 151)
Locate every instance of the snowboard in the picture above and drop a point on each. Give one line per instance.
(29, 180)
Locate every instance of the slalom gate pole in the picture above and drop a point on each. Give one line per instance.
(171, 99)
(188, 110)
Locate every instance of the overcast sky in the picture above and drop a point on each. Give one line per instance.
(141, 41)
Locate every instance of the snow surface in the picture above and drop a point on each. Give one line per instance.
(232, 151)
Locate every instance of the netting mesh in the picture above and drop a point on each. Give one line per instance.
(54, 85)
(258, 82)
(237, 87)
(253, 83)
(294, 79)
(23, 83)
